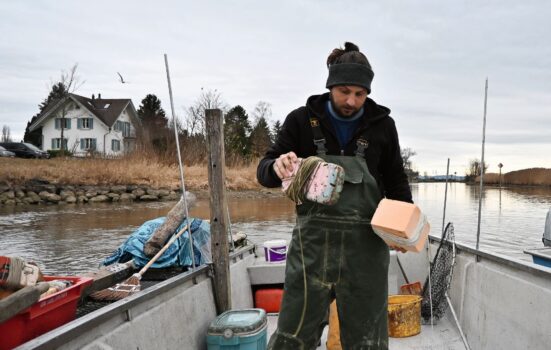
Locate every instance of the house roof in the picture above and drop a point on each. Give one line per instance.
(106, 110)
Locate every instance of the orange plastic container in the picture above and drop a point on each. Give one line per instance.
(401, 224)
(268, 299)
(48, 313)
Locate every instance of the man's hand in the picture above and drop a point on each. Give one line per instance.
(283, 166)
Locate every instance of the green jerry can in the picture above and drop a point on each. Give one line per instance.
(238, 329)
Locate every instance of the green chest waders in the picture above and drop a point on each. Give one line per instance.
(334, 252)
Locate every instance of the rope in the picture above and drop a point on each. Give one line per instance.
(11, 273)
(296, 191)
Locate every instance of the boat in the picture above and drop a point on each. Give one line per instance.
(500, 303)
(542, 255)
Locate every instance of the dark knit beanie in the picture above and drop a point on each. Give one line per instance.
(349, 67)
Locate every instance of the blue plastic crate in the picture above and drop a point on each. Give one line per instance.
(238, 330)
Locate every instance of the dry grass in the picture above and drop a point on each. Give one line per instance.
(532, 176)
(133, 170)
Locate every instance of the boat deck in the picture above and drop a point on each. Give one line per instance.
(443, 335)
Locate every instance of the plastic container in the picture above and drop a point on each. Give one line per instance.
(275, 250)
(46, 314)
(401, 224)
(404, 315)
(238, 329)
(268, 299)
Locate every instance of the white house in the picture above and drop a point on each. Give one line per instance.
(101, 125)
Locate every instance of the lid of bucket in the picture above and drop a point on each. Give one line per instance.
(239, 321)
(275, 243)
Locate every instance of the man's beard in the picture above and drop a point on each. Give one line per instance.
(345, 112)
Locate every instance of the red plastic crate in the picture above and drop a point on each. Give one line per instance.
(46, 314)
(268, 299)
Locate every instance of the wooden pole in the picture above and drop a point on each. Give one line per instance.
(218, 209)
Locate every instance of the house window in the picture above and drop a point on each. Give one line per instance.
(66, 122)
(115, 145)
(56, 143)
(85, 123)
(88, 144)
(126, 130)
(118, 125)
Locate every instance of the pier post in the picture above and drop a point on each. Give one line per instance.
(214, 124)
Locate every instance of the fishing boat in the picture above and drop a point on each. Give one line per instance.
(500, 303)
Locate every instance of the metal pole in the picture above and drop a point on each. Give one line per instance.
(179, 161)
(482, 168)
(445, 197)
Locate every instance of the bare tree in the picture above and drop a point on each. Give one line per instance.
(71, 82)
(262, 110)
(475, 168)
(6, 135)
(195, 115)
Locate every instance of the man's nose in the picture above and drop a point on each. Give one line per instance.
(351, 101)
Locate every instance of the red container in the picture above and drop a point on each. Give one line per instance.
(268, 299)
(46, 314)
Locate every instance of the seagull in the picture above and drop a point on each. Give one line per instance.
(122, 79)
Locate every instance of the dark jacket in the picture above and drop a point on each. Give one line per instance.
(383, 156)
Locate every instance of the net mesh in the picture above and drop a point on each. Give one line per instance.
(441, 270)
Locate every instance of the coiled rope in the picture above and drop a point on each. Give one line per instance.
(297, 189)
(10, 278)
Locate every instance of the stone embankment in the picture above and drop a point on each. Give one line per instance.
(43, 192)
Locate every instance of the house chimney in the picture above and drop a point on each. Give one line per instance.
(99, 96)
(93, 97)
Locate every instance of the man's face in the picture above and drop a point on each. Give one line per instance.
(348, 99)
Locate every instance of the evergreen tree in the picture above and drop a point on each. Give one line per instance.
(151, 113)
(260, 138)
(57, 92)
(275, 130)
(236, 132)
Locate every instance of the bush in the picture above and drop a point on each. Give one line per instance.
(59, 153)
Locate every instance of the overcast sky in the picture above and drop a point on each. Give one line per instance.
(430, 58)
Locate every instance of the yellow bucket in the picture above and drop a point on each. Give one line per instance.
(404, 315)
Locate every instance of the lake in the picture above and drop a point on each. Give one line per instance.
(70, 239)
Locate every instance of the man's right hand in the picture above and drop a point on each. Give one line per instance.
(283, 166)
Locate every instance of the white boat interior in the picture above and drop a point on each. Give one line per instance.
(499, 303)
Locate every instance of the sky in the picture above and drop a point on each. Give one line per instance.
(431, 60)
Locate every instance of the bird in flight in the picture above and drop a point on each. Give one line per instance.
(122, 79)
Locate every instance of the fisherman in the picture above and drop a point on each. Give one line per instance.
(334, 253)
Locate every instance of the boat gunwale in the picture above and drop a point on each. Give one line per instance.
(71, 330)
(502, 259)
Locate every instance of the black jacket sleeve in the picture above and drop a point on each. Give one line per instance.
(286, 141)
(394, 178)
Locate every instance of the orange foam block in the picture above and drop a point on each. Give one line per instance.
(401, 224)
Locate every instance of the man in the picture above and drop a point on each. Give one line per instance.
(334, 252)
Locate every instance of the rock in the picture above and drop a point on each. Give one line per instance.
(66, 193)
(71, 199)
(30, 200)
(152, 192)
(103, 191)
(173, 196)
(82, 199)
(91, 193)
(19, 194)
(79, 193)
(118, 189)
(148, 197)
(53, 198)
(9, 194)
(114, 197)
(10, 202)
(44, 195)
(138, 192)
(100, 198)
(163, 193)
(125, 197)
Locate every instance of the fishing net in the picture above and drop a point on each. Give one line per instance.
(441, 270)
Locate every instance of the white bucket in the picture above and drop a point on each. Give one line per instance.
(275, 250)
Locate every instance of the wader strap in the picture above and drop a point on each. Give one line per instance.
(361, 145)
(319, 139)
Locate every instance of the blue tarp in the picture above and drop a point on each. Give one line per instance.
(177, 255)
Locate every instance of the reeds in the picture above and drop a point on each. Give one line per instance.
(135, 169)
(530, 177)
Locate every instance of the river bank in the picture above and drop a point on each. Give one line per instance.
(133, 178)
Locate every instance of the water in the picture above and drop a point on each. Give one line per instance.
(72, 239)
